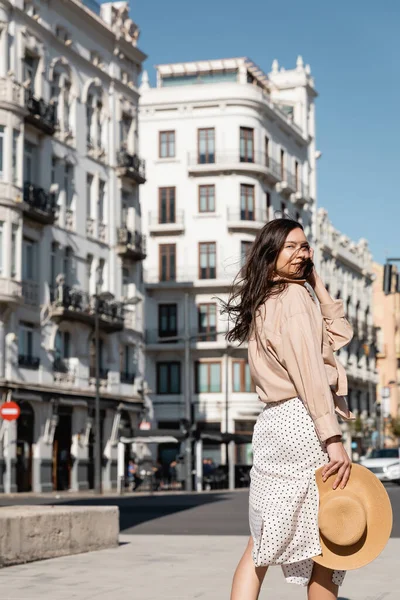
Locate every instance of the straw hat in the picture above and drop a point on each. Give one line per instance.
(354, 523)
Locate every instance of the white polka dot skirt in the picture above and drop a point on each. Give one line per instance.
(284, 498)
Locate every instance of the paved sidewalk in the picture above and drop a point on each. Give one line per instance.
(177, 568)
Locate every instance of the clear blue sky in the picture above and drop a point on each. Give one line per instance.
(353, 48)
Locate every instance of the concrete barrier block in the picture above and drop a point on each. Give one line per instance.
(29, 533)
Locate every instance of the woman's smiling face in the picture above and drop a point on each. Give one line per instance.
(295, 251)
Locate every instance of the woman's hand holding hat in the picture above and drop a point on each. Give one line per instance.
(339, 462)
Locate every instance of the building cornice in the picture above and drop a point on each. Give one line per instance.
(258, 104)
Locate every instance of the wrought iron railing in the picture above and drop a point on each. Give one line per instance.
(74, 299)
(28, 362)
(44, 113)
(39, 199)
(132, 162)
(126, 377)
(135, 239)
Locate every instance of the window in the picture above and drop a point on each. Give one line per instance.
(167, 320)
(247, 202)
(244, 251)
(29, 162)
(246, 144)
(63, 345)
(89, 272)
(207, 377)
(14, 233)
(89, 184)
(25, 340)
(298, 217)
(242, 381)
(68, 176)
(167, 144)
(266, 150)
(99, 108)
(169, 377)
(127, 364)
(206, 146)
(167, 262)
(67, 265)
(89, 119)
(268, 205)
(53, 263)
(1, 152)
(297, 175)
(53, 174)
(207, 198)
(283, 165)
(126, 279)
(15, 143)
(207, 322)
(30, 65)
(100, 273)
(283, 209)
(126, 123)
(66, 99)
(124, 208)
(100, 211)
(1, 246)
(28, 260)
(207, 260)
(166, 205)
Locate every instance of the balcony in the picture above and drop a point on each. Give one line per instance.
(159, 225)
(39, 205)
(230, 161)
(131, 166)
(189, 278)
(41, 114)
(30, 292)
(302, 194)
(287, 184)
(159, 340)
(246, 220)
(131, 244)
(73, 304)
(11, 93)
(103, 373)
(126, 377)
(28, 362)
(10, 291)
(64, 371)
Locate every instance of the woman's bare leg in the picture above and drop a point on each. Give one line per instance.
(321, 586)
(247, 579)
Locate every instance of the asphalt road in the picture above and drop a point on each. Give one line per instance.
(209, 513)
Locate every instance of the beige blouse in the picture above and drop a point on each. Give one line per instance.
(294, 355)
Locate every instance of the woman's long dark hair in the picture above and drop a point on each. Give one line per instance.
(254, 282)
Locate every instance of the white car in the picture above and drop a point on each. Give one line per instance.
(384, 463)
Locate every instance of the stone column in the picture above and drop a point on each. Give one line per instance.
(4, 18)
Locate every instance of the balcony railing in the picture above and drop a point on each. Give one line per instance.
(131, 243)
(255, 215)
(155, 336)
(103, 373)
(130, 165)
(10, 290)
(40, 113)
(126, 377)
(77, 305)
(28, 361)
(30, 292)
(192, 276)
(233, 159)
(176, 218)
(41, 204)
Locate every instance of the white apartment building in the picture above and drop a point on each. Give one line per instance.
(347, 269)
(227, 147)
(70, 226)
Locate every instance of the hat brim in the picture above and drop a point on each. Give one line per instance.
(364, 484)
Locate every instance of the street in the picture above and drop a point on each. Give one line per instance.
(179, 546)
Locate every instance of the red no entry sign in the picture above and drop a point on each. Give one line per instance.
(10, 411)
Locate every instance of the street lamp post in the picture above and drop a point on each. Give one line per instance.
(97, 440)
